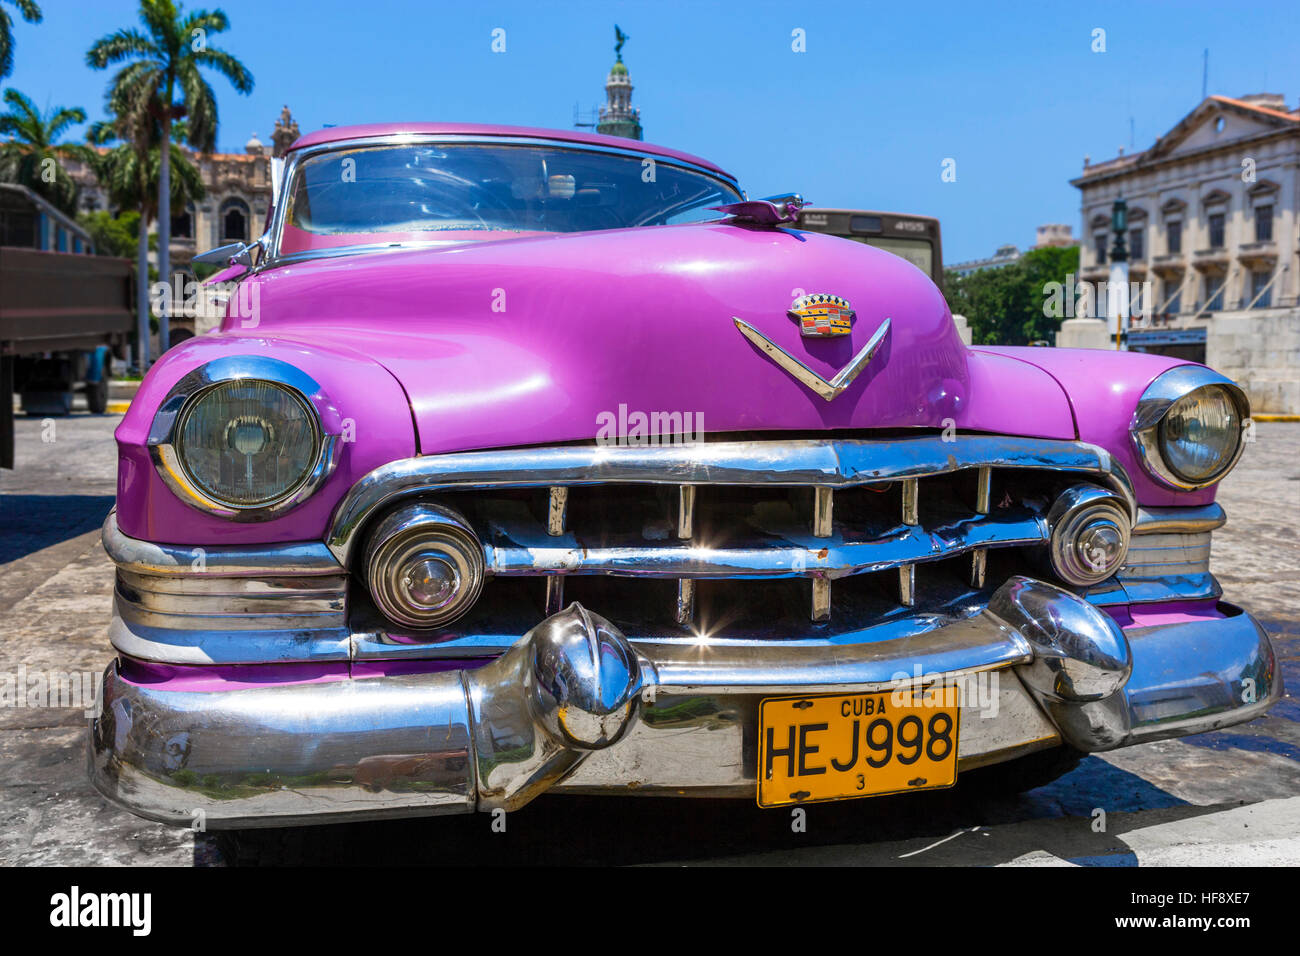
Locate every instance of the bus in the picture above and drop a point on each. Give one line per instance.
(914, 238)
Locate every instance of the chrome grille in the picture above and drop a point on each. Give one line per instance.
(817, 511)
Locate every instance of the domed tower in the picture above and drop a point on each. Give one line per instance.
(618, 117)
(286, 131)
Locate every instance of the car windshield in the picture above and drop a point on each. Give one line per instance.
(429, 190)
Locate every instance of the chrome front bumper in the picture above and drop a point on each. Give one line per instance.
(575, 706)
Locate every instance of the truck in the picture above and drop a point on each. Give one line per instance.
(64, 311)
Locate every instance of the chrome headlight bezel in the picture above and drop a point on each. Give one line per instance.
(165, 447)
(1161, 396)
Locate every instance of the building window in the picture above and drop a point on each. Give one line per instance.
(1100, 243)
(1213, 292)
(234, 222)
(1264, 223)
(183, 224)
(17, 227)
(1174, 236)
(1136, 245)
(1216, 230)
(1258, 283)
(1174, 295)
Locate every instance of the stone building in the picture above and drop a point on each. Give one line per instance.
(1055, 235)
(1003, 256)
(1213, 229)
(238, 193)
(238, 187)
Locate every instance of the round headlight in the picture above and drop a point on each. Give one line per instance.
(247, 443)
(1189, 427)
(1200, 434)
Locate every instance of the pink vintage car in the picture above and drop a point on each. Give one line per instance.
(529, 460)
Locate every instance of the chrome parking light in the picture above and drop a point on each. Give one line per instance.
(1090, 534)
(424, 565)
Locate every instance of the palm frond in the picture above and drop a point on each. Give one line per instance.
(121, 45)
(159, 17)
(228, 66)
(63, 117)
(201, 121)
(22, 103)
(6, 44)
(209, 21)
(29, 9)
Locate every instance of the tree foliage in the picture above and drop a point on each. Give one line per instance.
(33, 156)
(165, 58)
(1004, 306)
(113, 235)
(30, 12)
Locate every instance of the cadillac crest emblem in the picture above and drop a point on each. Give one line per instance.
(821, 316)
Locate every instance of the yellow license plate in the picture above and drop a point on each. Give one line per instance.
(856, 745)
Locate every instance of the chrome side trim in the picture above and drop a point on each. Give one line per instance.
(1159, 396)
(1168, 559)
(226, 604)
(163, 433)
(828, 463)
(220, 643)
(1189, 520)
(1157, 555)
(293, 559)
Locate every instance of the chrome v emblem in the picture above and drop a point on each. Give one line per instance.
(827, 390)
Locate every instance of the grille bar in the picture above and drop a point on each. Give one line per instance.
(979, 557)
(911, 518)
(823, 511)
(557, 508)
(513, 548)
(685, 612)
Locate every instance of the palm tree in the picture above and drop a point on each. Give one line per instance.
(163, 60)
(31, 13)
(32, 155)
(129, 173)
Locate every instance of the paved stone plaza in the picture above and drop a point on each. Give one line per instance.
(1231, 797)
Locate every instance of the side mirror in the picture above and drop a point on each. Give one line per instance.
(231, 254)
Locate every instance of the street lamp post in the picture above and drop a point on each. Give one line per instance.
(1117, 289)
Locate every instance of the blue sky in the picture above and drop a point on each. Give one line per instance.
(864, 118)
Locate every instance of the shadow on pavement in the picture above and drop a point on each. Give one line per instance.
(579, 830)
(31, 523)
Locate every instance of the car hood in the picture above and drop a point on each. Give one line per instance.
(550, 338)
